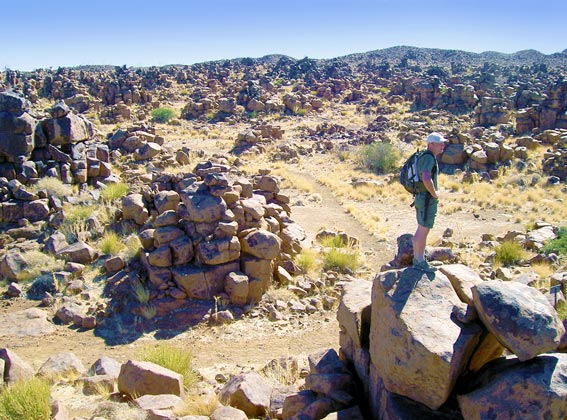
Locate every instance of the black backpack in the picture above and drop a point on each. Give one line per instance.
(409, 177)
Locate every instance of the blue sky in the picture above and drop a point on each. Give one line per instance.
(42, 34)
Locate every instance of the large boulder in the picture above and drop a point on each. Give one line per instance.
(143, 378)
(15, 369)
(32, 322)
(202, 207)
(454, 154)
(133, 208)
(510, 389)
(203, 282)
(67, 129)
(463, 280)
(13, 103)
(249, 392)
(79, 252)
(418, 349)
(519, 316)
(218, 251)
(261, 244)
(17, 127)
(62, 365)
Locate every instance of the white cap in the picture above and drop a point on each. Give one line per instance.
(436, 138)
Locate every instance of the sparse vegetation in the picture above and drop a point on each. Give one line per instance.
(75, 224)
(509, 253)
(26, 399)
(306, 260)
(162, 115)
(322, 167)
(141, 292)
(173, 357)
(342, 259)
(115, 191)
(379, 157)
(561, 309)
(557, 245)
(111, 243)
(132, 243)
(148, 311)
(37, 263)
(53, 186)
(198, 405)
(340, 254)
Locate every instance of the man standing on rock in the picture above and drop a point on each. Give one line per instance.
(426, 202)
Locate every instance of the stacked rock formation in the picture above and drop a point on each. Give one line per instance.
(555, 159)
(62, 146)
(213, 234)
(435, 345)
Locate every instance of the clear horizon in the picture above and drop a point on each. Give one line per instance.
(188, 32)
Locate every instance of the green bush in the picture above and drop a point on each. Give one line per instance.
(306, 261)
(561, 310)
(162, 115)
(379, 157)
(26, 399)
(111, 243)
(53, 186)
(557, 245)
(172, 357)
(36, 263)
(509, 253)
(114, 191)
(342, 259)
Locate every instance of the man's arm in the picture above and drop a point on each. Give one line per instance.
(428, 183)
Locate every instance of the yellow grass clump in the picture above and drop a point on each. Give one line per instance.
(174, 357)
(27, 399)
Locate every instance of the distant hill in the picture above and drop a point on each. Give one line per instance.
(432, 56)
(394, 55)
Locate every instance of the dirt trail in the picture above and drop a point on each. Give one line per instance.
(329, 213)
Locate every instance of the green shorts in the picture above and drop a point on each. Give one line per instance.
(425, 209)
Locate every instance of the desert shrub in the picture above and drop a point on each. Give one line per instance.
(111, 243)
(118, 411)
(173, 357)
(306, 260)
(141, 292)
(75, 223)
(557, 245)
(133, 245)
(561, 310)
(334, 241)
(379, 157)
(342, 259)
(198, 405)
(36, 263)
(162, 115)
(74, 214)
(26, 399)
(114, 191)
(54, 187)
(148, 311)
(509, 253)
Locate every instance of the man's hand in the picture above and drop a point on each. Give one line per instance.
(428, 184)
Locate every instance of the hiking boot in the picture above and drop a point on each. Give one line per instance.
(423, 266)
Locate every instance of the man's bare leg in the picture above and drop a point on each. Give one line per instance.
(419, 241)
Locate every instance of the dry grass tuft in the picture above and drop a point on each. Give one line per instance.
(198, 405)
(37, 263)
(173, 357)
